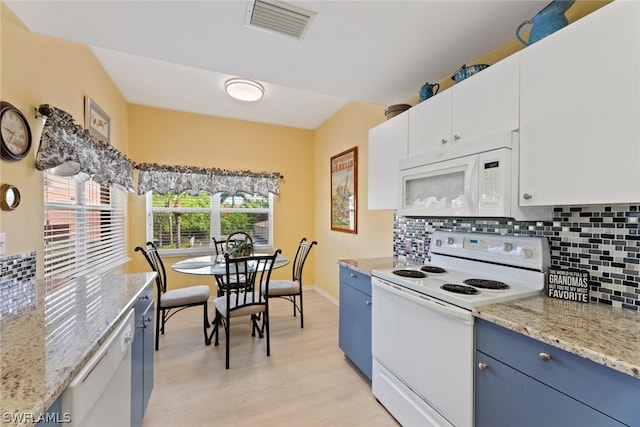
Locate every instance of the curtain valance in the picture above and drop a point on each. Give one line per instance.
(69, 149)
(177, 179)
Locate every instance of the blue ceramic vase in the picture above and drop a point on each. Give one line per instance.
(547, 21)
(428, 90)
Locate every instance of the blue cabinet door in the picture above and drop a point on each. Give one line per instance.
(355, 319)
(142, 349)
(506, 397)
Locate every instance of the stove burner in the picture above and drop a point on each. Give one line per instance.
(410, 273)
(433, 269)
(486, 284)
(460, 289)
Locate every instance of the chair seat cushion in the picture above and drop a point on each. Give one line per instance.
(184, 296)
(221, 305)
(283, 287)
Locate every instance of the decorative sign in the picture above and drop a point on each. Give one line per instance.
(344, 191)
(570, 285)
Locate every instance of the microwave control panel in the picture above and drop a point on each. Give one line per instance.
(494, 168)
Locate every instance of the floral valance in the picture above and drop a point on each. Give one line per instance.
(69, 149)
(177, 179)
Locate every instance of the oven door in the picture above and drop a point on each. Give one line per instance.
(423, 357)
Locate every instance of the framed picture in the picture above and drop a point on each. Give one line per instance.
(344, 191)
(97, 121)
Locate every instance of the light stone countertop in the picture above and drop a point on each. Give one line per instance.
(367, 265)
(598, 332)
(50, 334)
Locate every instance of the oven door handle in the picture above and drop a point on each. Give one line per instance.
(436, 305)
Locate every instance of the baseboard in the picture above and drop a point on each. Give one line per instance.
(321, 292)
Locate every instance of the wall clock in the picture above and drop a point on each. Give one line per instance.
(15, 133)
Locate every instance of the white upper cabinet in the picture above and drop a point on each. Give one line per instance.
(484, 104)
(580, 111)
(387, 145)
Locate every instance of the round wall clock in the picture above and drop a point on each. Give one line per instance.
(15, 133)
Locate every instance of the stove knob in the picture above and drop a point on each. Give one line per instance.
(526, 253)
(450, 240)
(508, 247)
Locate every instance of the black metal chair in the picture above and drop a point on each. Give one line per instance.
(250, 277)
(292, 289)
(170, 302)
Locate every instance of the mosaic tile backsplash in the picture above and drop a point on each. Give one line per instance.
(603, 239)
(17, 282)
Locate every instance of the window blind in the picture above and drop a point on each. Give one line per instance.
(84, 228)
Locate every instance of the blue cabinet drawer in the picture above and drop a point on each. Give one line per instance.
(355, 279)
(609, 391)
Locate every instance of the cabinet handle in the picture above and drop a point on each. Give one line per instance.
(444, 141)
(545, 357)
(527, 196)
(353, 276)
(456, 137)
(146, 322)
(368, 302)
(483, 366)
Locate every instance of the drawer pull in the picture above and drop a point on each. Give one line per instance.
(545, 357)
(353, 276)
(483, 366)
(368, 302)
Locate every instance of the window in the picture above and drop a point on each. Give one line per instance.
(182, 223)
(84, 227)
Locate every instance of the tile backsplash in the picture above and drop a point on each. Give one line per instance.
(17, 282)
(602, 239)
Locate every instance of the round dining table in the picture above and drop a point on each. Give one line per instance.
(214, 265)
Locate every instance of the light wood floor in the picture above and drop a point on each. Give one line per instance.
(305, 382)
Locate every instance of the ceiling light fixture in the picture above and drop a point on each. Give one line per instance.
(244, 89)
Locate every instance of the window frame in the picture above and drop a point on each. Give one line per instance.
(215, 212)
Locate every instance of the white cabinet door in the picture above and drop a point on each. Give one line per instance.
(488, 102)
(430, 124)
(580, 98)
(484, 104)
(387, 145)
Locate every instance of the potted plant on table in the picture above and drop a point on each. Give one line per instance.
(239, 247)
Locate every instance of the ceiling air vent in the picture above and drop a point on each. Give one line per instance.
(279, 17)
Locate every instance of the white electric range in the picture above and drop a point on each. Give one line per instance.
(422, 325)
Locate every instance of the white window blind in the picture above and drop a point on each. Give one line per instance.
(84, 228)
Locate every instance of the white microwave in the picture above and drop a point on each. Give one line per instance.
(473, 179)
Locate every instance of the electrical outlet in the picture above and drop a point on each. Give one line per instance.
(420, 244)
(3, 243)
(407, 245)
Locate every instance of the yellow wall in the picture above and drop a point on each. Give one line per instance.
(41, 70)
(176, 138)
(346, 129)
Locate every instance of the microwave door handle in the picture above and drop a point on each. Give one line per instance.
(470, 181)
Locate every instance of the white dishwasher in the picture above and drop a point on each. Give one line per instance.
(100, 395)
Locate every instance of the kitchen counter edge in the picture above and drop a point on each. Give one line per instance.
(603, 334)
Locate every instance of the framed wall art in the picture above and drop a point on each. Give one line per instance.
(344, 191)
(97, 121)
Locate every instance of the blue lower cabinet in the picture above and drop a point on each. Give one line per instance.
(53, 417)
(520, 381)
(355, 318)
(142, 353)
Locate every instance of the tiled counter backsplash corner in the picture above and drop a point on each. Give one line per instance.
(604, 240)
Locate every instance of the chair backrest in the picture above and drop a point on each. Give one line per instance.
(153, 258)
(301, 256)
(247, 279)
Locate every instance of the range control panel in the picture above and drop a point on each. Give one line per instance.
(519, 251)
